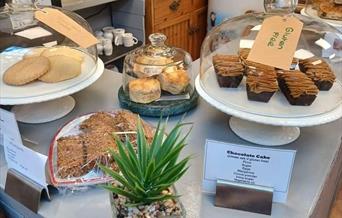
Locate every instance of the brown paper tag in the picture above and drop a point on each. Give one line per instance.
(66, 26)
(276, 42)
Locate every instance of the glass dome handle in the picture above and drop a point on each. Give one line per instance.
(276, 6)
(157, 39)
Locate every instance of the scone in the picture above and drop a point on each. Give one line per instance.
(26, 70)
(65, 51)
(34, 52)
(174, 81)
(61, 68)
(144, 90)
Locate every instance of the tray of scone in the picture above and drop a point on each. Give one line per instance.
(82, 143)
(157, 72)
(39, 71)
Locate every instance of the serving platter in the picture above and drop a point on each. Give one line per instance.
(277, 107)
(95, 176)
(72, 128)
(255, 125)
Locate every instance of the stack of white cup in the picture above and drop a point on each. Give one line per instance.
(109, 36)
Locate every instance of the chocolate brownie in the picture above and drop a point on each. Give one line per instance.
(261, 84)
(319, 72)
(297, 87)
(229, 70)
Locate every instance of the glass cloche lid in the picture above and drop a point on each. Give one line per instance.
(20, 29)
(308, 87)
(157, 72)
(39, 63)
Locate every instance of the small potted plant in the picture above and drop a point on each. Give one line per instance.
(144, 186)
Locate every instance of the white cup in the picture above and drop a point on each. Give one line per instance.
(108, 32)
(99, 34)
(118, 33)
(107, 47)
(129, 40)
(99, 48)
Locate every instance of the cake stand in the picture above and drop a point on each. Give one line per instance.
(310, 12)
(40, 102)
(274, 123)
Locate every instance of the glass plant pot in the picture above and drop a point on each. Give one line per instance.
(157, 71)
(134, 210)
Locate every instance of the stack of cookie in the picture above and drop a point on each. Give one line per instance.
(50, 65)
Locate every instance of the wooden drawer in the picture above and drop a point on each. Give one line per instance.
(166, 10)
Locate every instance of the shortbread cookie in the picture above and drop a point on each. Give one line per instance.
(34, 52)
(26, 70)
(66, 51)
(61, 68)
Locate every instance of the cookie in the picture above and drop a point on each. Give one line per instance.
(34, 52)
(66, 51)
(61, 68)
(26, 70)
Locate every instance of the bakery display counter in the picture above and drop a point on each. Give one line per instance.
(314, 179)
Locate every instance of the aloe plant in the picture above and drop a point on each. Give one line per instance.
(154, 167)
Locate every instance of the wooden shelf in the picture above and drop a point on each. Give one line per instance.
(119, 52)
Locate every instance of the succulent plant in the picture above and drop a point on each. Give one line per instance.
(150, 170)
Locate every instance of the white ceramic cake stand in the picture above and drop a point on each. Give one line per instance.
(40, 102)
(310, 12)
(271, 124)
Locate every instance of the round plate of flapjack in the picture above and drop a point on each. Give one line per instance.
(85, 141)
(38, 74)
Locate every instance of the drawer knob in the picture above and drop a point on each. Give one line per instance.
(174, 5)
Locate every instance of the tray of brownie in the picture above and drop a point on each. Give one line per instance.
(85, 141)
(308, 92)
(309, 89)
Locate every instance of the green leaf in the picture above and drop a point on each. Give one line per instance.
(115, 176)
(120, 191)
(167, 175)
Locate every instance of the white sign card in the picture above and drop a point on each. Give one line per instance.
(248, 165)
(9, 127)
(17, 157)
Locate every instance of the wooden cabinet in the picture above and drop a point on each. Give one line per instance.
(182, 21)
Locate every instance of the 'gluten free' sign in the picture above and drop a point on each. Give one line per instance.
(276, 42)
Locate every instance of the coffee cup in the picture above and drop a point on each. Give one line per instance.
(129, 40)
(118, 36)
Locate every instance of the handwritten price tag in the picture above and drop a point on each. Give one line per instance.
(276, 42)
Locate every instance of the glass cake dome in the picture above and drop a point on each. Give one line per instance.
(158, 72)
(38, 63)
(310, 87)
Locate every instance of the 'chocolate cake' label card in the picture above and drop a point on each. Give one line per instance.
(276, 42)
